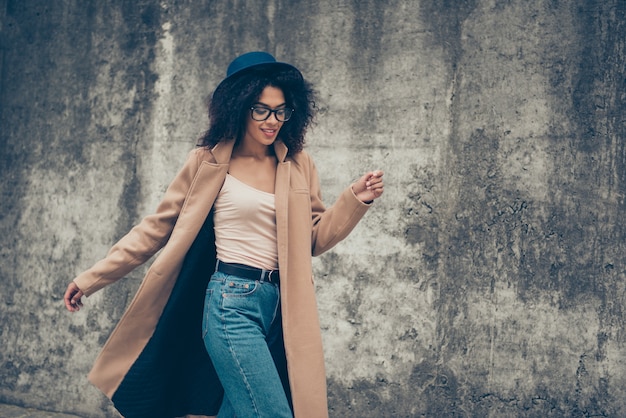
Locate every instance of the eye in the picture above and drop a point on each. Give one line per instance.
(260, 111)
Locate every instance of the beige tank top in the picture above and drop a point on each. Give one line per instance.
(245, 225)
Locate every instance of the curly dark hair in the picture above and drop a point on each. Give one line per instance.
(230, 105)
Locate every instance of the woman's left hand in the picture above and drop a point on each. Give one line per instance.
(72, 297)
(369, 186)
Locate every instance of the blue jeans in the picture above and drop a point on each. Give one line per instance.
(242, 331)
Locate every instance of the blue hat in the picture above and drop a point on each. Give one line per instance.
(254, 59)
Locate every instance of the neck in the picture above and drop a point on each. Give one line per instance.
(256, 151)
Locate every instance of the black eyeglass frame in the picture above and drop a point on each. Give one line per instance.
(274, 111)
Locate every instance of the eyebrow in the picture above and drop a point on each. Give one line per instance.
(268, 106)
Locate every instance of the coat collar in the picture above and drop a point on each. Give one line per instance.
(223, 150)
(281, 151)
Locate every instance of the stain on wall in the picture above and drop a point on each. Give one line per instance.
(488, 281)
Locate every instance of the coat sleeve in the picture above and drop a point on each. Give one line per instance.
(146, 238)
(331, 225)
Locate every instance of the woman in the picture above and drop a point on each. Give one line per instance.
(245, 212)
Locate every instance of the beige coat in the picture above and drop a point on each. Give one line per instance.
(304, 228)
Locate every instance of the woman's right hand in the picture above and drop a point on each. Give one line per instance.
(72, 297)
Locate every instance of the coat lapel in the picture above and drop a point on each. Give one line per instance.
(281, 200)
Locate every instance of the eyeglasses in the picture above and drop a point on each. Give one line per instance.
(261, 113)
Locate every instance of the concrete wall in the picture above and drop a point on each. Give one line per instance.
(488, 281)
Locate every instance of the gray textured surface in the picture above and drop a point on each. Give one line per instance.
(488, 281)
(13, 411)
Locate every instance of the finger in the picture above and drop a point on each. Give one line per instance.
(68, 305)
(375, 176)
(72, 307)
(375, 180)
(68, 298)
(73, 297)
(76, 298)
(68, 292)
(374, 184)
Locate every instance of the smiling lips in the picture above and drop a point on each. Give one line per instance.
(269, 132)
